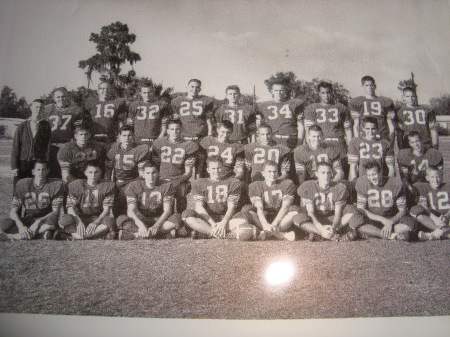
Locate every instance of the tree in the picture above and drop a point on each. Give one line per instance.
(11, 106)
(307, 90)
(441, 105)
(407, 83)
(113, 47)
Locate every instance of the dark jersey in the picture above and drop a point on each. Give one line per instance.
(384, 200)
(323, 200)
(37, 202)
(273, 196)
(90, 200)
(361, 151)
(232, 154)
(61, 121)
(306, 159)
(126, 161)
(282, 116)
(243, 118)
(256, 155)
(332, 118)
(416, 167)
(421, 118)
(215, 195)
(193, 114)
(435, 200)
(173, 157)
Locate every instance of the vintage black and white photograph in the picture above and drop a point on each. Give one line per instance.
(237, 160)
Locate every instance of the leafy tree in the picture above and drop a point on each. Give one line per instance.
(113, 47)
(406, 83)
(441, 105)
(11, 106)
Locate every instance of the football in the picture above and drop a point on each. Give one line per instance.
(246, 232)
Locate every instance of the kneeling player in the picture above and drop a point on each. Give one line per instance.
(89, 206)
(38, 200)
(382, 201)
(149, 208)
(216, 201)
(433, 210)
(326, 206)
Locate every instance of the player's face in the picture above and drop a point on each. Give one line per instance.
(150, 175)
(36, 110)
(324, 175)
(174, 132)
(233, 96)
(146, 94)
(264, 136)
(410, 98)
(126, 138)
(193, 89)
(82, 137)
(369, 88)
(93, 174)
(270, 174)
(102, 90)
(373, 175)
(40, 171)
(223, 134)
(278, 92)
(434, 178)
(370, 130)
(325, 95)
(214, 170)
(415, 143)
(315, 139)
(61, 99)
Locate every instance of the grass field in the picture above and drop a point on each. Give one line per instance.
(186, 278)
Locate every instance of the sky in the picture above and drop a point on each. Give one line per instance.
(224, 42)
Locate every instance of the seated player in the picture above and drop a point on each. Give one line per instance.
(418, 118)
(148, 116)
(361, 150)
(89, 206)
(308, 155)
(242, 116)
(256, 154)
(433, 209)
(216, 202)
(176, 159)
(74, 156)
(382, 201)
(232, 154)
(35, 206)
(327, 213)
(271, 210)
(150, 208)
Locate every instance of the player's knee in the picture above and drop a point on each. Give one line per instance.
(176, 220)
(52, 220)
(121, 221)
(300, 219)
(409, 224)
(350, 208)
(294, 208)
(248, 208)
(417, 210)
(242, 216)
(189, 213)
(6, 224)
(68, 222)
(357, 220)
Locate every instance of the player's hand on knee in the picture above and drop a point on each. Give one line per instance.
(326, 232)
(24, 233)
(387, 230)
(81, 230)
(34, 227)
(152, 231)
(90, 229)
(274, 229)
(143, 232)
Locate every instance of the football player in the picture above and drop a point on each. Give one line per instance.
(35, 206)
(420, 118)
(379, 107)
(89, 204)
(232, 154)
(327, 213)
(283, 115)
(242, 116)
(150, 208)
(107, 114)
(74, 156)
(382, 201)
(256, 154)
(433, 209)
(216, 202)
(308, 155)
(367, 148)
(148, 116)
(176, 159)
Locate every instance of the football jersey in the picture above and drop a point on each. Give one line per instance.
(232, 154)
(243, 118)
(282, 116)
(256, 155)
(216, 194)
(323, 200)
(384, 200)
(73, 158)
(36, 202)
(332, 118)
(273, 196)
(90, 200)
(361, 151)
(193, 114)
(149, 201)
(436, 200)
(381, 108)
(306, 159)
(61, 121)
(126, 161)
(421, 118)
(106, 116)
(147, 119)
(416, 167)
(173, 157)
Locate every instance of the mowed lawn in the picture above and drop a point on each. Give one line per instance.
(186, 278)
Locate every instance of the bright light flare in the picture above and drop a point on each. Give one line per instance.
(279, 273)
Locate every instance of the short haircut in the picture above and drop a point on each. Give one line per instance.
(233, 87)
(38, 100)
(325, 85)
(270, 163)
(148, 163)
(195, 80)
(94, 163)
(174, 121)
(214, 159)
(146, 85)
(372, 164)
(265, 126)
(102, 82)
(409, 89)
(225, 124)
(316, 128)
(42, 162)
(371, 120)
(433, 168)
(414, 134)
(62, 89)
(126, 127)
(324, 163)
(278, 81)
(367, 79)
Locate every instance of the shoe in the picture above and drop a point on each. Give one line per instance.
(126, 235)
(402, 236)
(194, 234)
(62, 235)
(48, 235)
(171, 234)
(182, 232)
(286, 236)
(231, 235)
(112, 235)
(351, 235)
(314, 237)
(263, 235)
